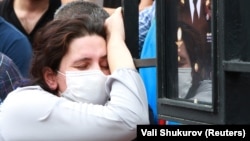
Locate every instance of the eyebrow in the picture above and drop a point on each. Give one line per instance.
(88, 59)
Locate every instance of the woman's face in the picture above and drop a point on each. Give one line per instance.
(85, 53)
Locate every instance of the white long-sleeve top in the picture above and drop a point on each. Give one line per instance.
(32, 114)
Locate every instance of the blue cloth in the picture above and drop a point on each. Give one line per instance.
(16, 46)
(145, 18)
(149, 74)
(10, 76)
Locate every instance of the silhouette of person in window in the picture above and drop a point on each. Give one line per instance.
(197, 14)
(192, 80)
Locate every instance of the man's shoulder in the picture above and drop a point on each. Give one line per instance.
(12, 39)
(9, 30)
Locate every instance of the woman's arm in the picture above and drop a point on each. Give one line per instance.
(118, 53)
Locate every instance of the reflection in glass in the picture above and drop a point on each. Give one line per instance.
(194, 50)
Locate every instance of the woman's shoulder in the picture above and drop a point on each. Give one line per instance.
(27, 93)
(30, 97)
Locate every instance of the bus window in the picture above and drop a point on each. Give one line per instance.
(193, 46)
(203, 70)
(185, 53)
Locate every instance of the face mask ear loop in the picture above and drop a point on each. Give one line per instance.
(61, 73)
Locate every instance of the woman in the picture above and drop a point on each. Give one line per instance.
(68, 56)
(192, 69)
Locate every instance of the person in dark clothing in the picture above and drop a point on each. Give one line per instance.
(28, 15)
(111, 3)
(16, 46)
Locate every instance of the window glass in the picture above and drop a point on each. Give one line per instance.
(194, 51)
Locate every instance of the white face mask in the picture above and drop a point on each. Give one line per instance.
(86, 86)
(185, 81)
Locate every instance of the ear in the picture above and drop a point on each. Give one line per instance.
(50, 78)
